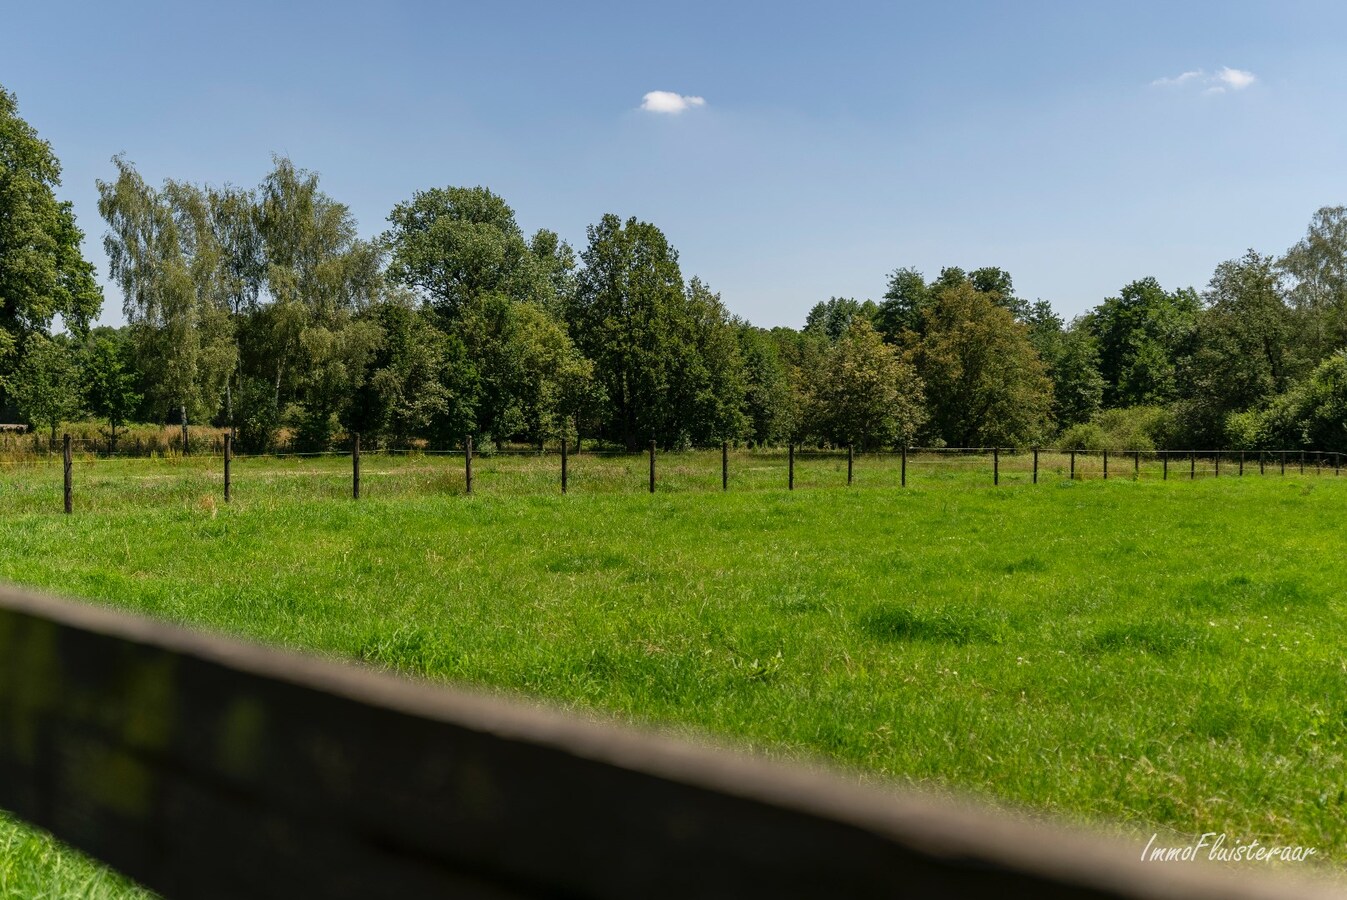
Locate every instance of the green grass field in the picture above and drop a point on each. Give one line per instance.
(1148, 655)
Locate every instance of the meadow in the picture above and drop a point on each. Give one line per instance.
(1144, 655)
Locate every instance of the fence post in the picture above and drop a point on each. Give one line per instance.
(1136, 465)
(1192, 464)
(790, 463)
(1283, 461)
(1302, 462)
(1241, 464)
(1337, 463)
(1106, 465)
(1164, 461)
(724, 465)
(184, 431)
(1073, 465)
(903, 483)
(228, 458)
(1261, 468)
(563, 465)
(66, 464)
(849, 453)
(1035, 465)
(996, 466)
(467, 464)
(652, 467)
(1218, 463)
(355, 466)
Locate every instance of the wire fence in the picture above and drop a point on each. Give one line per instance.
(33, 482)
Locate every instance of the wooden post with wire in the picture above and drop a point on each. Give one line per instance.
(996, 466)
(228, 459)
(563, 465)
(355, 466)
(66, 465)
(790, 467)
(724, 465)
(652, 467)
(903, 476)
(849, 455)
(1035, 465)
(467, 464)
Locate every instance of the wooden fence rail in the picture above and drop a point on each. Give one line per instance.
(206, 767)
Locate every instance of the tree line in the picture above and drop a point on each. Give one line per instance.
(263, 310)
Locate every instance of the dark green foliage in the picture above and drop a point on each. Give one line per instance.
(257, 420)
(905, 300)
(985, 384)
(1142, 335)
(45, 385)
(109, 380)
(1317, 270)
(456, 245)
(1242, 349)
(1072, 360)
(1312, 414)
(767, 392)
(42, 270)
(835, 316)
(664, 356)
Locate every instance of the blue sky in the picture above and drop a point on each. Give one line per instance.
(834, 143)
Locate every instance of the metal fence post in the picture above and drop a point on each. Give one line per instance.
(790, 463)
(1192, 464)
(849, 462)
(652, 467)
(903, 483)
(1106, 465)
(1035, 465)
(1136, 464)
(1164, 460)
(996, 466)
(724, 465)
(228, 458)
(1073, 465)
(563, 465)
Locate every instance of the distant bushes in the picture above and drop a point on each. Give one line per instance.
(1311, 415)
(1140, 428)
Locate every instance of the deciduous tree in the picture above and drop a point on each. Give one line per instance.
(985, 384)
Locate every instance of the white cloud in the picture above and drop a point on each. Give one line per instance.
(669, 103)
(1236, 79)
(1212, 83)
